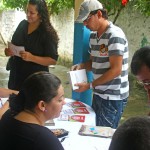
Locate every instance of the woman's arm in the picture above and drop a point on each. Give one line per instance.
(45, 61)
(6, 92)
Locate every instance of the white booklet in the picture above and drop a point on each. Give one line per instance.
(16, 49)
(77, 76)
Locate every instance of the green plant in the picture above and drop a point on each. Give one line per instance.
(55, 6)
(144, 41)
(114, 7)
(142, 5)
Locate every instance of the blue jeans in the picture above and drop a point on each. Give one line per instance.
(108, 112)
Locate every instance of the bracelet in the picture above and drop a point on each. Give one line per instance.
(91, 86)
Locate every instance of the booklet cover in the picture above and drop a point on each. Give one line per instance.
(77, 76)
(80, 110)
(77, 118)
(72, 118)
(76, 104)
(97, 131)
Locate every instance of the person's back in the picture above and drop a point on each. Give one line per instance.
(18, 135)
(134, 134)
(22, 127)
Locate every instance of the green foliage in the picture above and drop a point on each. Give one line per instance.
(1, 5)
(142, 5)
(55, 6)
(114, 7)
(144, 41)
(19, 4)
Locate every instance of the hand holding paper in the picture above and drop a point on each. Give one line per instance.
(15, 49)
(77, 76)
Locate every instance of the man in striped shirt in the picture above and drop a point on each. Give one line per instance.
(109, 64)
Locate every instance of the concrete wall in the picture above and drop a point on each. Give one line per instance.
(63, 23)
(135, 26)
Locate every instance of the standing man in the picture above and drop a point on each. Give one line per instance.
(109, 64)
(140, 67)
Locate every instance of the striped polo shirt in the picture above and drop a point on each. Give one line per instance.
(112, 42)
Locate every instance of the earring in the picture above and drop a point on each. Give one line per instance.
(45, 110)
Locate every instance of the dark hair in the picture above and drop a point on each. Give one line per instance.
(38, 86)
(141, 57)
(104, 13)
(133, 134)
(45, 18)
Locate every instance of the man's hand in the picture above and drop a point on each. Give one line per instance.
(77, 67)
(82, 87)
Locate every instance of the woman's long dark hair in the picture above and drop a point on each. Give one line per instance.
(45, 18)
(38, 86)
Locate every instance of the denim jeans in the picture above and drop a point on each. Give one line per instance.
(108, 112)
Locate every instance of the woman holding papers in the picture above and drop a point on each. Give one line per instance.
(40, 99)
(40, 41)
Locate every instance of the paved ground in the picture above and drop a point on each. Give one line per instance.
(61, 72)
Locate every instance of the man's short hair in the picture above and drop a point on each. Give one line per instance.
(133, 134)
(141, 57)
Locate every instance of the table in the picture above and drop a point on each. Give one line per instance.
(74, 141)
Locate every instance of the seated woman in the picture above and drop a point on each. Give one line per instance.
(133, 134)
(41, 98)
(4, 93)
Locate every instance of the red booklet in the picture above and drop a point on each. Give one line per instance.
(73, 118)
(77, 118)
(81, 110)
(77, 104)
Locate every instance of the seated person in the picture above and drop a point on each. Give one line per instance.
(41, 98)
(133, 134)
(4, 93)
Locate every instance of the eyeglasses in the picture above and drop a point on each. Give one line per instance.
(87, 19)
(144, 83)
(91, 14)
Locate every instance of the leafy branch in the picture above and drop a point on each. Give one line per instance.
(114, 7)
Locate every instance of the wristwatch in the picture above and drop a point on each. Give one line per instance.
(91, 86)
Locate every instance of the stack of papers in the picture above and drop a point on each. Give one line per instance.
(97, 131)
(16, 49)
(77, 76)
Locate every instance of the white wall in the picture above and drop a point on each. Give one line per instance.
(63, 23)
(133, 24)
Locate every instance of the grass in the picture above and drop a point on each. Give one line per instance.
(137, 101)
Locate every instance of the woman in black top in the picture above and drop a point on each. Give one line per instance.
(40, 40)
(22, 127)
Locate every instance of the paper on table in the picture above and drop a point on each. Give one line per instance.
(77, 76)
(16, 49)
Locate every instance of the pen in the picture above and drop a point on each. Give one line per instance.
(62, 139)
